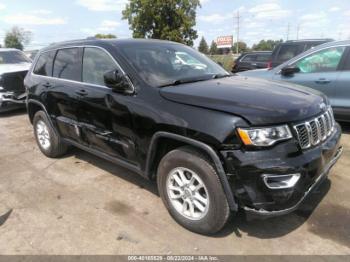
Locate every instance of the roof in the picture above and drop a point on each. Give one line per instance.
(8, 49)
(310, 40)
(104, 42)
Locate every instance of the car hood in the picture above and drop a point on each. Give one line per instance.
(259, 101)
(10, 68)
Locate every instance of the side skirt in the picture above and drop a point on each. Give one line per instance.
(114, 160)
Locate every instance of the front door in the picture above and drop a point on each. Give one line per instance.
(318, 70)
(106, 120)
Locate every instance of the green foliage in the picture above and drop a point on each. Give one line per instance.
(213, 48)
(242, 47)
(203, 46)
(169, 20)
(105, 36)
(225, 60)
(16, 38)
(266, 45)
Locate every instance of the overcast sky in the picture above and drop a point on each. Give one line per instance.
(57, 20)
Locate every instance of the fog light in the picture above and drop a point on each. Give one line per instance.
(280, 181)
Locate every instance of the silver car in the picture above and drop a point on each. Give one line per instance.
(325, 68)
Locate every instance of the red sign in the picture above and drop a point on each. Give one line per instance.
(224, 41)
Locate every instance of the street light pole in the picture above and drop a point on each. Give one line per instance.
(237, 43)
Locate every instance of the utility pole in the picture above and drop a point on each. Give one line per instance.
(298, 30)
(237, 21)
(288, 30)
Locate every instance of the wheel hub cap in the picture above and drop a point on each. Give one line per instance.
(187, 193)
(43, 134)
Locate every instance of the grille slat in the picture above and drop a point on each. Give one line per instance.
(312, 132)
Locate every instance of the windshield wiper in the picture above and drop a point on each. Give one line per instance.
(186, 81)
(217, 76)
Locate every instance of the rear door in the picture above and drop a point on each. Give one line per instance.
(262, 60)
(341, 100)
(318, 70)
(63, 92)
(247, 62)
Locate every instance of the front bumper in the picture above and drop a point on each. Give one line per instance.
(249, 167)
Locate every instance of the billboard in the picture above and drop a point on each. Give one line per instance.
(224, 41)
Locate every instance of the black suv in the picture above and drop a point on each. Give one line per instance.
(251, 61)
(291, 48)
(213, 142)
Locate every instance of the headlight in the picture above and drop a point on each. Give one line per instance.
(264, 136)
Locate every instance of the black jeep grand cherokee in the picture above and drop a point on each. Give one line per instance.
(213, 141)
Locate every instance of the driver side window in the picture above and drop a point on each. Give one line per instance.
(326, 60)
(96, 63)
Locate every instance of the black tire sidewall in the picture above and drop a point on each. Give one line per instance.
(217, 215)
(53, 137)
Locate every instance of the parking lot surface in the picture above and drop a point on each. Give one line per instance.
(81, 204)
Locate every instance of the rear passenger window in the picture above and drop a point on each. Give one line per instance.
(96, 63)
(43, 66)
(263, 58)
(67, 64)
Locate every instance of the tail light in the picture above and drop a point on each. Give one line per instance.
(269, 64)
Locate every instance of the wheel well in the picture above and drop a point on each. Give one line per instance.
(163, 146)
(32, 109)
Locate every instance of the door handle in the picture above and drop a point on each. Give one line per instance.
(322, 81)
(47, 85)
(82, 92)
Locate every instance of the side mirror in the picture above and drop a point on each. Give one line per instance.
(117, 81)
(290, 70)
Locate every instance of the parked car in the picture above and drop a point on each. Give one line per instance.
(252, 60)
(31, 53)
(289, 49)
(14, 66)
(214, 142)
(325, 68)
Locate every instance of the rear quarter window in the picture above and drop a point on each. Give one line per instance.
(249, 58)
(44, 64)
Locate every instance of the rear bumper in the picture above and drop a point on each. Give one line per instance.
(249, 168)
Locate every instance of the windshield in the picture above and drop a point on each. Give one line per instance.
(165, 64)
(13, 57)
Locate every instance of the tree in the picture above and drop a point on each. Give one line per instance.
(203, 46)
(242, 47)
(105, 36)
(169, 20)
(266, 45)
(213, 48)
(17, 38)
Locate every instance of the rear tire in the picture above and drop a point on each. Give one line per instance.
(49, 143)
(192, 192)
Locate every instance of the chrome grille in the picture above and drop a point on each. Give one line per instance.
(314, 131)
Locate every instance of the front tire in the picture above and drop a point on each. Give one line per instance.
(49, 143)
(192, 192)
